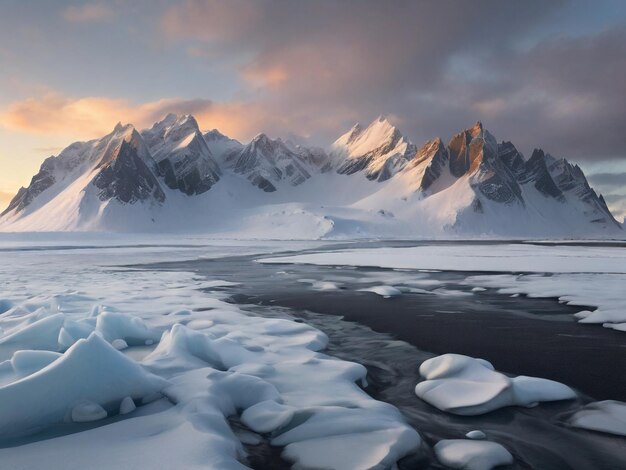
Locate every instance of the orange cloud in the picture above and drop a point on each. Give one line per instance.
(5, 198)
(90, 12)
(89, 117)
(271, 77)
(212, 19)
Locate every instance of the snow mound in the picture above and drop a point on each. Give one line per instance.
(466, 386)
(476, 435)
(90, 371)
(132, 330)
(605, 416)
(87, 411)
(472, 455)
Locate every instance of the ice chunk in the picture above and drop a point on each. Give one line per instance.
(119, 344)
(41, 334)
(466, 386)
(24, 363)
(27, 361)
(131, 329)
(476, 435)
(72, 331)
(472, 455)
(91, 370)
(606, 416)
(127, 406)
(88, 411)
(384, 291)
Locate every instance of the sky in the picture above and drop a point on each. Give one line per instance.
(539, 74)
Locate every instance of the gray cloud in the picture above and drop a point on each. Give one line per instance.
(609, 180)
(355, 60)
(435, 66)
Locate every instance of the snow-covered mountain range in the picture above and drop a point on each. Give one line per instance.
(372, 182)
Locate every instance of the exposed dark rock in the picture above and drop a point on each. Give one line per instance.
(183, 157)
(38, 184)
(127, 178)
(537, 173)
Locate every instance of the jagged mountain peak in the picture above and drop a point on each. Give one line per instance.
(477, 128)
(215, 134)
(380, 150)
(172, 123)
(184, 158)
(263, 138)
(262, 142)
(268, 163)
(349, 136)
(471, 147)
(221, 146)
(124, 131)
(471, 182)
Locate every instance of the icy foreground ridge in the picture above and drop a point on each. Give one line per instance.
(466, 386)
(163, 400)
(372, 181)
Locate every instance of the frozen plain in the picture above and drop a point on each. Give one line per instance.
(189, 361)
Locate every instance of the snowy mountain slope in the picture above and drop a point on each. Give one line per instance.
(380, 150)
(182, 155)
(74, 189)
(220, 145)
(171, 177)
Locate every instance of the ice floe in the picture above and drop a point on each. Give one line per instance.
(383, 291)
(466, 386)
(605, 416)
(476, 435)
(472, 455)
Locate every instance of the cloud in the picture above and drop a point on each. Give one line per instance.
(612, 180)
(617, 205)
(5, 198)
(438, 65)
(87, 13)
(88, 117)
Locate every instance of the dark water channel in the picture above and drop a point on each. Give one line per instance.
(437, 314)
